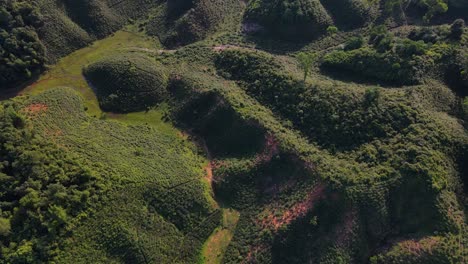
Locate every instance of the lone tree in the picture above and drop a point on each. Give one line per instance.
(456, 29)
(306, 60)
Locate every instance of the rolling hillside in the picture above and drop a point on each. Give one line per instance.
(206, 131)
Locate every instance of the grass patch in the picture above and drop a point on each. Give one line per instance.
(216, 245)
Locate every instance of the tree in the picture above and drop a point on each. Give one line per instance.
(306, 61)
(332, 30)
(434, 7)
(456, 30)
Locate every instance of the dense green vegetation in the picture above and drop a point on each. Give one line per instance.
(397, 61)
(127, 82)
(290, 19)
(206, 131)
(22, 55)
(184, 22)
(44, 191)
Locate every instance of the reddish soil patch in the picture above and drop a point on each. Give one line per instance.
(345, 231)
(419, 247)
(270, 150)
(35, 109)
(252, 252)
(209, 172)
(274, 222)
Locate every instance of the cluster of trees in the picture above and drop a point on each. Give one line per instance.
(43, 192)
(431, 7)
(21, 53)
(401, 61)
(342, 120)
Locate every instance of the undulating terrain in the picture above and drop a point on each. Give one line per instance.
(233, 131)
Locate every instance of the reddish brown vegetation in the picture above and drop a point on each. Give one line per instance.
(35, 109)
(250, 258)
(296, 211)
(270, 150)
(419, 247)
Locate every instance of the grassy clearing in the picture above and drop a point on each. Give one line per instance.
(68, 71)
(214, 248)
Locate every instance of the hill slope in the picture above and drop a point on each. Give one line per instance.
(206, 131)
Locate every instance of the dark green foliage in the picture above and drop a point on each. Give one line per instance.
(43, 192)
(381, 38)
(22, 55)
(94, 16)
(290, 19)
(177, 7)
(184, 22)
(127, 83)
(368, 62)
(393, 61)
(429, 34)
(70, 25)
(224, 132)
(457, 28)
(354, 43)
(349, 14)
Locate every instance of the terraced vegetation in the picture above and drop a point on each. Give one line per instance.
(206, 131)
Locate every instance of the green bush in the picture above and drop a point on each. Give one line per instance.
(369, 63)
(127, 82)
(354, 43)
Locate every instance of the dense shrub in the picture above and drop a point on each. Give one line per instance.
(290, 19)
(394, 60)
(22, 55)
(43, 191)
(127, 83)
(429, 34)
(354, 43)
(367, 62)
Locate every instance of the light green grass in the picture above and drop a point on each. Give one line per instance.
(214, 248)
(68, 71)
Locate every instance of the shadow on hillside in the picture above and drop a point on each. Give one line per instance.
(16, 89)
(347, 76)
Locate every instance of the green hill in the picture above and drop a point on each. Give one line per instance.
(127, 83)
(207, 131)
